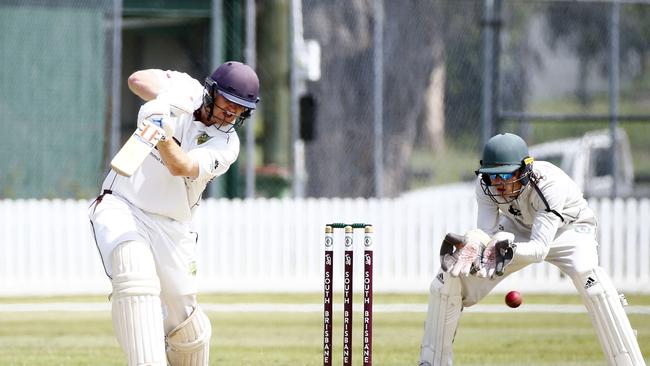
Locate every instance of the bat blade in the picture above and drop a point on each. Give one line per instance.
(137, 147)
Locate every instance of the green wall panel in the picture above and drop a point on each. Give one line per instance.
(53, 97)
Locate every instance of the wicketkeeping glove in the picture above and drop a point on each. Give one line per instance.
(450, 244)
(498, 255)
(460, 255)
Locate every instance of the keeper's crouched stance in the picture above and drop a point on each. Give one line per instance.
(142, 224)
(526, 214)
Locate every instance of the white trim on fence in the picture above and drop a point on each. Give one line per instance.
(276, 245)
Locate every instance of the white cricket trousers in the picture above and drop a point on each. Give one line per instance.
(174, 246)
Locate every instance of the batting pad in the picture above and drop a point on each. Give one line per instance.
(609, 319)
(189, 343)
(137, 313)
(443, 314)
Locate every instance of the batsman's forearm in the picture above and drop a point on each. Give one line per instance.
(178, 162)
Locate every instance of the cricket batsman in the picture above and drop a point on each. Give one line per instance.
(142, 223)
(528, 212)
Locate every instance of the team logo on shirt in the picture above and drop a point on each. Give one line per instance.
(514, 211)
(202, 138)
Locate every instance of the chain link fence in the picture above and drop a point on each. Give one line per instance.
(55, 77)
(423, 109)
(576, 69)
(552, 58)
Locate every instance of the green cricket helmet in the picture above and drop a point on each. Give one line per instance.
(504, 155)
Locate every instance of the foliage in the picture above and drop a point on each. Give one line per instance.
(463, 62)
(585, 29)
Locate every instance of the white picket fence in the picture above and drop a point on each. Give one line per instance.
(276, 245)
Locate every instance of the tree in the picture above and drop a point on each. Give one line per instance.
(583, 29)
(340, 160)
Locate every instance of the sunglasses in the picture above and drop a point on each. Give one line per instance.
(503, 176)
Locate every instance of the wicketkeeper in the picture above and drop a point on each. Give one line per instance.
(528, 212)
(142, 223)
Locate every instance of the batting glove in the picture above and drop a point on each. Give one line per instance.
(157, 112)
(166, 123)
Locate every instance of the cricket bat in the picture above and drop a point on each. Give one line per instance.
(137, 147)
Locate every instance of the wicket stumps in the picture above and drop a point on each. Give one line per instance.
(328, 292)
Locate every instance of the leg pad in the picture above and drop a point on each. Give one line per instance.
(608, 318)
(136, 309)
(189, 343)
(443, 315)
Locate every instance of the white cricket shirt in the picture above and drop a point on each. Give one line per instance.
(529, 211)
(152, 187)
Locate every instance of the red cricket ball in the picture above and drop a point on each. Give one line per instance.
(513, 299)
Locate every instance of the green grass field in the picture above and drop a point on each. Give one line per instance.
(239, 338)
